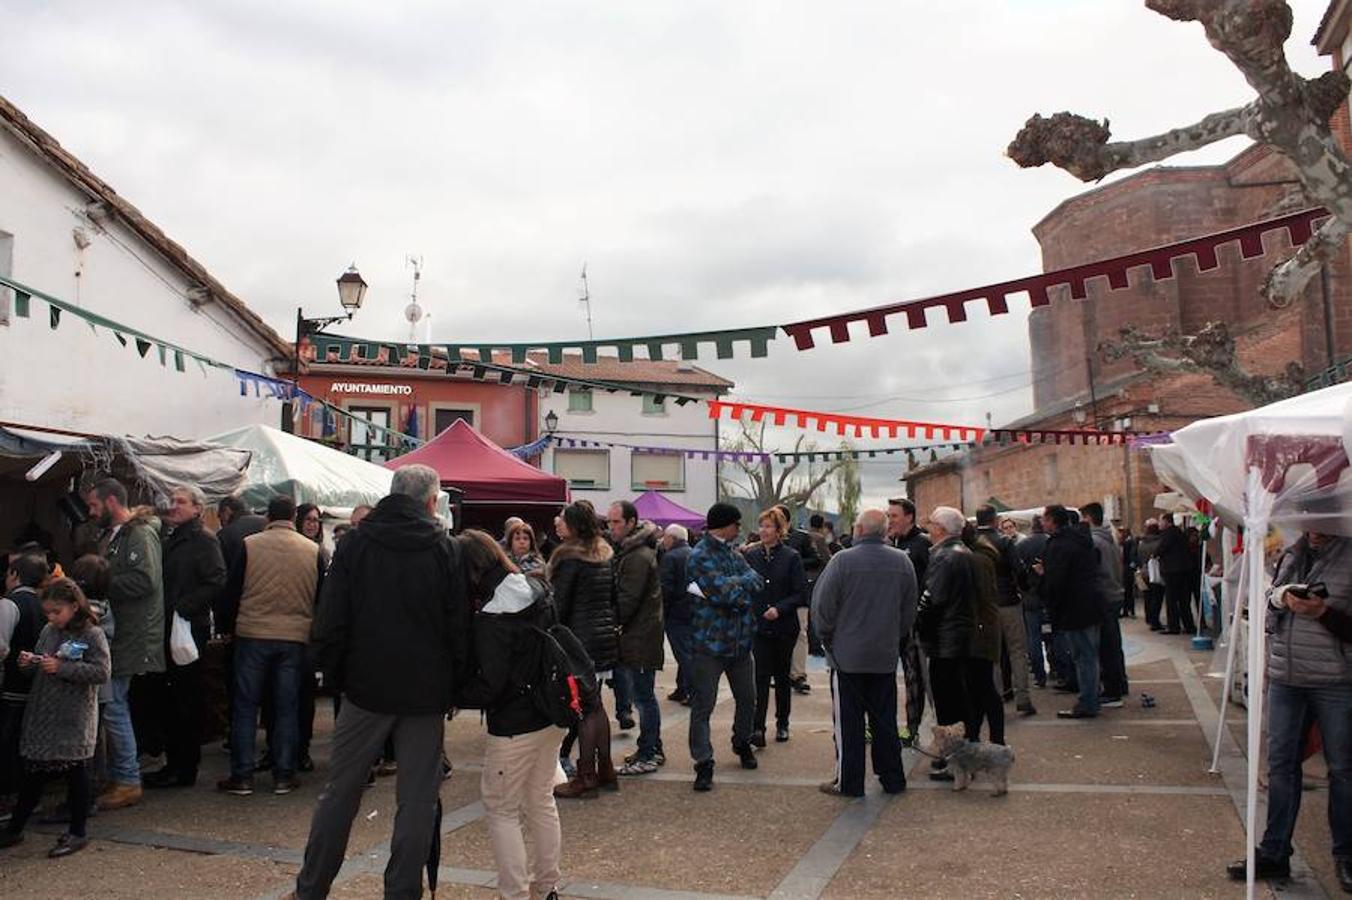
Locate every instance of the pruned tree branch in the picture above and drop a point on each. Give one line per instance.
(1290, 114)
(1210, 351)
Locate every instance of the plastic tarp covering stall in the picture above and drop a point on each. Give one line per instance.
(660, 510)
(154, 464)
(1284, 465)
(286, 465)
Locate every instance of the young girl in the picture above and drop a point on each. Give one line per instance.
(70, 661)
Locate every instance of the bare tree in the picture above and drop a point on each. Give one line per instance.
(793, 484)
(1290, 114)
(1211, 351)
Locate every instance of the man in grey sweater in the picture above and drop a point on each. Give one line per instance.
(864, 608)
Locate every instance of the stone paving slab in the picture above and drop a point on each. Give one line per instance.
(939, 844)
(367, 886)
(735, 840)
(112, 871)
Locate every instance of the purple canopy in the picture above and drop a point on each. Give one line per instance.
(660, 511)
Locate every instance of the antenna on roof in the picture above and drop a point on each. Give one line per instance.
(413, 312)
(585, 299)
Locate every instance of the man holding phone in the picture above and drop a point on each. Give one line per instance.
(1310, 679)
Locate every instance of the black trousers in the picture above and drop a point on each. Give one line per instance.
(948, 685)
(1154, 602)
(854, 697)
(984, 701)
(77, 798)
(177, 704)
(11, 725)
(774, 655)
(1178, 596)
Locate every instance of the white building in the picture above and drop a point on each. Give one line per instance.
(608, 473)
(67, 233)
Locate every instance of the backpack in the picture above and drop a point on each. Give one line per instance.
(563, 686)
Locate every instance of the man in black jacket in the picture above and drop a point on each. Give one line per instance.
(194, 574)
(26, 571)
(1069, 570)
(237, 523)
(813, 562)
(1013, 632)
(1176, 564)
(676, 605)
(905, 535)
(393, 634)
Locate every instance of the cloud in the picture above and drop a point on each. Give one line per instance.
(714, 163)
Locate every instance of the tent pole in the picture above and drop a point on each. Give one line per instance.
(1253, 552)
(1230, 654)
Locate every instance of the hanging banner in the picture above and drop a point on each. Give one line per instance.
(823, 421)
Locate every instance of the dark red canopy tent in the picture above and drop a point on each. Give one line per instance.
(495, 483)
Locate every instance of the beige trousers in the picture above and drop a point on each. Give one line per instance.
(798, 665)
(517, 788)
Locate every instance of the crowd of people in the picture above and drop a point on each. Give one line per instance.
(404, 624)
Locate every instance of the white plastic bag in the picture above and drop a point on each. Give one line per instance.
(182, 647)
(1153, 571)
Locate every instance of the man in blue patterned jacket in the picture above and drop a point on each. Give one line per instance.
(722, 586)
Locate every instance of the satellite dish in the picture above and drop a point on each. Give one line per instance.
(413, 312)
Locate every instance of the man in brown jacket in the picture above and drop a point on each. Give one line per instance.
(269, 605)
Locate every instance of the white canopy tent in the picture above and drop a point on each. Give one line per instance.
(1282, 465)
(307, 472)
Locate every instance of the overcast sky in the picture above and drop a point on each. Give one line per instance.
(715, 164)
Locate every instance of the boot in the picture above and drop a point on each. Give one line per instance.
(119, 796)
(606, 776)
(581, 787)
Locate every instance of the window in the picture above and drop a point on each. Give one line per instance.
(658, 471)
(584, 469)
(445, 417)
(652, 406)
(6, 269)
(580, 400)
(365, 441)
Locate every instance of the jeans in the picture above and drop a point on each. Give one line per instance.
(624, 692)
(1033, 620)
(122, 765)
(642, 686)
(1289, 710)
(1063, 665)
(681, 635)
(254, 659)
(705, 672)
(1084, 650)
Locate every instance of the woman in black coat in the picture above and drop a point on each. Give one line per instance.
(776, 611)
(584, 600)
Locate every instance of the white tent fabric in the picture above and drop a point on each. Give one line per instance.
(1282, 465)
(286, 465)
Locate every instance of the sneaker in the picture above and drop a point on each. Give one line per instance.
(800, 686)
(625, 721)
(1074, 714)
(1265, 868)
(644, 766)
(119, 796)
(658, 757)
(240, 787)
(68, 844)
(704, 776)
(906, 737)
(758, 739)
(747, 755)
(833, 789)
(282, 786)
(1111, 702)
(781, 734)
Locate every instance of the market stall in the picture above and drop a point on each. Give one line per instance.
(1285, 466)
(494, 483)
(663, 511)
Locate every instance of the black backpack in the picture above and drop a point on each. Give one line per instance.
(563, 688)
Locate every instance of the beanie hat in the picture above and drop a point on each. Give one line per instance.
(721, 515)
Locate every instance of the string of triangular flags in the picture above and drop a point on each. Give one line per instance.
(1204, 251)
(321, 412)
(687, 452)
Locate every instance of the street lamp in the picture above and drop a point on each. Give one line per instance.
(551, 422)
(351, 292)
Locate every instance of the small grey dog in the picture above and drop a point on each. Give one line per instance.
(968, 758)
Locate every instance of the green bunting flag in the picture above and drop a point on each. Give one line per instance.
(21, 301)
(55, 318)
